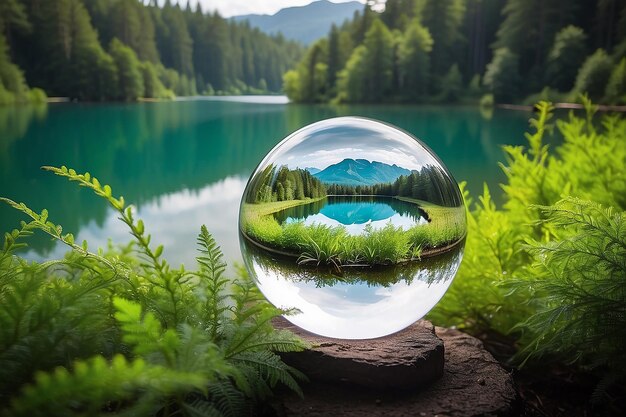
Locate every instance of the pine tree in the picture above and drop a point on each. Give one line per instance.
(130, 80)
(414, 61)
(566, 56)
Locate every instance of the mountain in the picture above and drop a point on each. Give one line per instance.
(304, 23)
(312, 170)
(360, 172)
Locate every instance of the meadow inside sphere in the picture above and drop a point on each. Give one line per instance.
(354, 223)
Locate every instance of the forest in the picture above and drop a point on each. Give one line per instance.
(124, 50)
(427, 184)
(285, 185)
(442, 51)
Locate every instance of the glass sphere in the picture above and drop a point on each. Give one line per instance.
(354, 224)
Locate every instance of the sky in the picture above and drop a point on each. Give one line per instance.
(228, 8)
(329, 142)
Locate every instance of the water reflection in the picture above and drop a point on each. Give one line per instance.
(173, 220)
(355, 213)
(149, 151)
(357, 303)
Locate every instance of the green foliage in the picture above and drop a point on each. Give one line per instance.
(200, 49)
(502, 77)
(566, 56)
(593, 75)
(547, 268)
(122, 332)
(576, 285)
(368, 73)
(616, 87)
(13, 88)
(429, 38)
(323, 244)
(129, 76)
(414, 60)
(452, 86)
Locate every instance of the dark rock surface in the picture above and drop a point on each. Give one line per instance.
(473, 384)
(408, 359)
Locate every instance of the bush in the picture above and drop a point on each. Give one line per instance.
(120, 332)
(487, 101)
(593, 75)
(547, 268)
(37, 95)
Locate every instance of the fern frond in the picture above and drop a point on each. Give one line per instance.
(212, 267)
(41, 222)
(272, 369)
(95, 383)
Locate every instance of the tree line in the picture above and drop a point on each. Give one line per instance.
(451, 50)
(430, 183)
(283, 184)
(126, 49)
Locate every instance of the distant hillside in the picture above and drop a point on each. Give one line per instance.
(360, 172)
(305, 23)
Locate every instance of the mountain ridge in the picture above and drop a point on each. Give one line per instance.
(303, 23)
(359, 172)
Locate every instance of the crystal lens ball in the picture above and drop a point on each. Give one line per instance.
(354, 225)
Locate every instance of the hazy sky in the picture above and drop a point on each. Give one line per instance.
(352, 138)
(229, 8)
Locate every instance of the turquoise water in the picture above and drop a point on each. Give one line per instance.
(355, 213)
(186, 163)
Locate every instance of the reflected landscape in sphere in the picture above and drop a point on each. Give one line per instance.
(354, 223)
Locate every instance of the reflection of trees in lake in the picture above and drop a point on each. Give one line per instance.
(303, 211)
(141, 150)
(431, 271)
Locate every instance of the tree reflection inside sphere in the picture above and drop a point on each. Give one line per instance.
(354, 223)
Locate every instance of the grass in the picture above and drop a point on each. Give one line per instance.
(322, 244)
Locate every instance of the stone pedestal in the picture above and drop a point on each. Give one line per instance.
(408, 359)
(400, 375)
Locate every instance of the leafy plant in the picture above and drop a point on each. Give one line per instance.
(547, 268)
(121, 331)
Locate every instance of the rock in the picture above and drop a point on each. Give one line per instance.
(408, 359)
(473, 384)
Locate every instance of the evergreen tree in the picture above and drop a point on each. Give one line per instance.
(593, 75)
(130, 80)
(616, 87)
(566, 56)
(414, 60)
(378, 60)
(528, 29)
(502, 76)
(443, 18)
(175, 43)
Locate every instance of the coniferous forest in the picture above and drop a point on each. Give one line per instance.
(126, 49)
(461, 50)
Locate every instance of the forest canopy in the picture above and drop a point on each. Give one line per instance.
(125, 49)
(458, 50)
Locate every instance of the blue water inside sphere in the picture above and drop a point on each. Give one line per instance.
(355, 224)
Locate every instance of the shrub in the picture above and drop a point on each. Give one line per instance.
(121, 332)
(547, 268)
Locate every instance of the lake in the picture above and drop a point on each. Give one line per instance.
(185, 163)
(355, 213)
